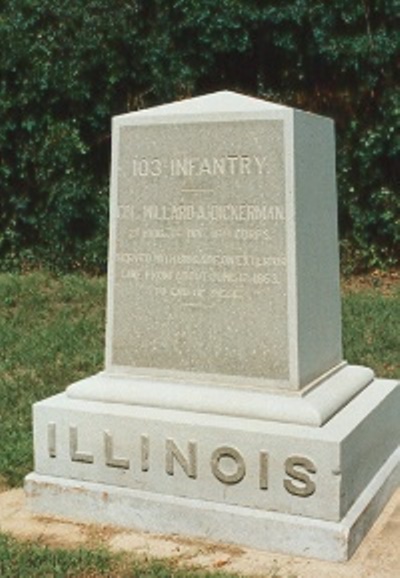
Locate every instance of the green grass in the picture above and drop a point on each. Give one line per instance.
(371, 330)
(27, 560)
(52, 333)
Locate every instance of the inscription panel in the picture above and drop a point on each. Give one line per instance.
(200, 280)
(196, 457)
(227, 464)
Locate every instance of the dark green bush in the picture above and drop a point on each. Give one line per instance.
(66, 67)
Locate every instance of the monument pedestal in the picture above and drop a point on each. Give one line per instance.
(297, 489)
(313, 405)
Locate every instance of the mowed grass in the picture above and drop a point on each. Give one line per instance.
(371, 327)
(52, 333)
(28, 560)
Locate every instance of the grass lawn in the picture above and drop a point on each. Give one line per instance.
(52, 333)
(27, 560)
(371, 323)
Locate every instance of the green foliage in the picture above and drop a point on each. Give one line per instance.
(66, 67)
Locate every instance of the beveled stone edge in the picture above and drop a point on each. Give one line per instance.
(215, 103)
(218, 105)
(314, 408)
(285, 533)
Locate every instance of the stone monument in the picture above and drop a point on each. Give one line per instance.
(225, 409)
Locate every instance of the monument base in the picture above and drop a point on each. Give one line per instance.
(314, 405)
(295, 535)
(297, 489)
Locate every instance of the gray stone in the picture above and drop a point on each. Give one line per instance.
(225, 409)
(267, 465)
(223, 248)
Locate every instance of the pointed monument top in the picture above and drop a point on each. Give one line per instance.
(224, 101)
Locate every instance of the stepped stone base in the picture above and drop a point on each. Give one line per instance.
(297, 489)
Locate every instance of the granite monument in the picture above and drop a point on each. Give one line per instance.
(225, 409)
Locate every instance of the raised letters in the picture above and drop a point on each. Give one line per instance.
(145, 452)
(264, 457)
(234, 455)
(227, 464)
(307, 486)
(52, 439)
(110, 459)
(189, 464)
(75, 454)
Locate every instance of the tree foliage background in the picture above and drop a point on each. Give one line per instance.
(66, 67)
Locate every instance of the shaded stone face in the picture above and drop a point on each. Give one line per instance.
(200, 256)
